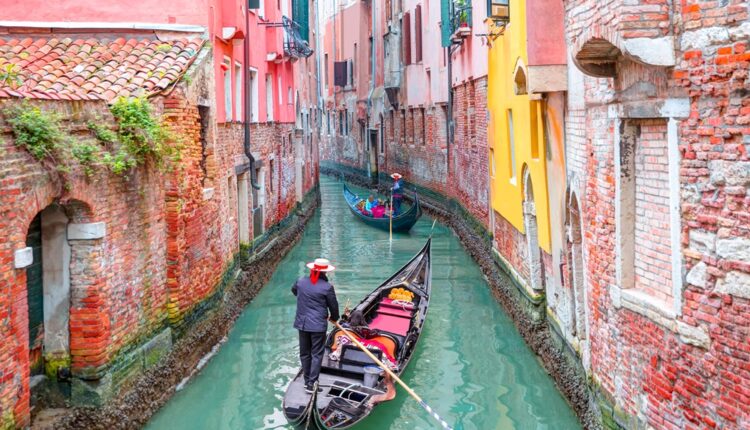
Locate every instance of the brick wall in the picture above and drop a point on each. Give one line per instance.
(653, 255)
(511, 244)
(117, 283)
(663, 370)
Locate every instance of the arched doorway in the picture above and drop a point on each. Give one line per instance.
(48, 297)
(575, 279)
(532, 234)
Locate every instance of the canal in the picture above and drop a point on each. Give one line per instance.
(471, 364)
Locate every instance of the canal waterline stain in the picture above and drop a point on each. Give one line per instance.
(471, 365)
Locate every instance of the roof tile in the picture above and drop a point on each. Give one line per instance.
(94, 68)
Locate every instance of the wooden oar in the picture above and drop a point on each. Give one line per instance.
(395, 378)
(390, 222)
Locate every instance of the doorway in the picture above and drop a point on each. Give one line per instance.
(373, 158)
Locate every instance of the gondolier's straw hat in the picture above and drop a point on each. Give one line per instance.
(396, 176)
(321, 265)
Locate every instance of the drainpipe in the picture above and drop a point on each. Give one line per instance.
(248, 102)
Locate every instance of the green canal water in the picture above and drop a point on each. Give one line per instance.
(471, 365)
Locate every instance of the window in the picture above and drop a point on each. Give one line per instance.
(371, 56)
(238, 99)
(281, 90)
(262, 9)
(646, 211)
(325, 65)
(289, 95)
(492, 162)
(418, 33)
(227, 71)
(328, 122)
(269, 97)
(511, 146)
(272, 172)
(253, 88)
(341, 123)
(393, 127)
(354, 66)
(382, 134)
(424, 128)
(403, 126)
(406, 31)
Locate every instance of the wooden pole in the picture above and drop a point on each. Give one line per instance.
(394, 376)
(390, 222)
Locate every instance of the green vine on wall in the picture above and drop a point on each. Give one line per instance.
(140, 137)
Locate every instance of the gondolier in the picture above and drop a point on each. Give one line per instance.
(398, 193)
(316, 303)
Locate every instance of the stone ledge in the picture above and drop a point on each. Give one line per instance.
(533, 296)
(659, 312)
(88, 231)
(23, 258)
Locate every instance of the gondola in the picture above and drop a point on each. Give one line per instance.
(395, 314)
(403, 222)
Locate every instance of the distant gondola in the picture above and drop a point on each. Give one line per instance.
(395, 314)
(402, 222)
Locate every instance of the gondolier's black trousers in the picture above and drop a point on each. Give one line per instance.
(311, 349)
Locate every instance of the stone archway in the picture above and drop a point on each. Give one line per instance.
(62, 243)
(532, 233)
(576, 270)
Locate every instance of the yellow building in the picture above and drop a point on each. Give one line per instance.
(516, 131)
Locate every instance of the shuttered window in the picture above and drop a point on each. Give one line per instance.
(418, 33)
(301, 15)
(406, 24)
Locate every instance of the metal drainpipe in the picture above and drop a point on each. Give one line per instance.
(248, 118)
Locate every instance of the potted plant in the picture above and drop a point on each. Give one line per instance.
(462, 10)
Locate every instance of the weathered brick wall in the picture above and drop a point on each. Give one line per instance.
(653, 265)
(202, 234)
(511, 244)
(470, 154)
(692, 369)
(423, 164)
(116, 283)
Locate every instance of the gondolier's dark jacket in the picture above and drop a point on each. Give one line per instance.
(314, 303)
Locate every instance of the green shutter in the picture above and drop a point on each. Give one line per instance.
(253, 4)
(445, 22)
(301, 15)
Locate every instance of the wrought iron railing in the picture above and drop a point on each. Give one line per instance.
(294, 44)
(461, 16)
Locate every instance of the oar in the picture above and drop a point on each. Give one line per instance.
(395, 378)
(390, 222)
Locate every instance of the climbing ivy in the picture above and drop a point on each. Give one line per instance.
(139, 137)
(36, 130)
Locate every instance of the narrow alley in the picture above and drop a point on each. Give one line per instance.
(563, 184)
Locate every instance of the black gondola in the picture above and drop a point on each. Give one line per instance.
(403, 222)
(393, 326)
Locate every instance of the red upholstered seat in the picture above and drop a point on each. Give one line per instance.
(392, 324)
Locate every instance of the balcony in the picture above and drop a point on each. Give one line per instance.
(294, 45)
(461, 20)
